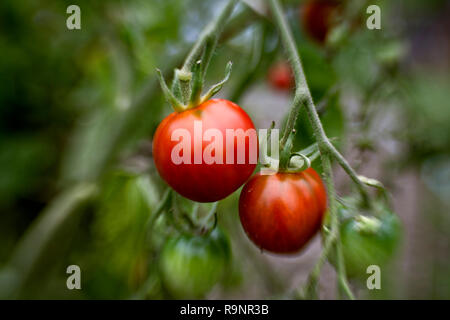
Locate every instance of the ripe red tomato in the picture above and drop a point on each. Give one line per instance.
(206, 182)
(282, 212)
(280, 76)
(316, 17)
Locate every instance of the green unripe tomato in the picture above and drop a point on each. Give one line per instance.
(369, 241)
(190, 265)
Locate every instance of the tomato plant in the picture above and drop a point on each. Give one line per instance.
(282, 212)
(369, 241)
(146, 241)
(317, 16)
(280, 76)
(204, 182)
(191, 265)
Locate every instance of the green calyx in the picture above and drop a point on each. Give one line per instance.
(190, 217)
(296, 161)
(285, 152)
(187, 86)
(367, 225)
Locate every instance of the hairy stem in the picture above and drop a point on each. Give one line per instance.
(342, 277)
(349, 170)
(213, 29)
(163, 204)
(206, 43)
(311, 284)
(303, 98)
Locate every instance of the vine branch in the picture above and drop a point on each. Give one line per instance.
(211, 31)
(327, 151)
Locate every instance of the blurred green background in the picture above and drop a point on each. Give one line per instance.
(78, 109)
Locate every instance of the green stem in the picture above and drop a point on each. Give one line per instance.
(342, 276)
(213, 29)
(351, 173)
(210, 213)
(163, 205)
(206, 43)
(311, 284)
(303, 97)
(302, 94)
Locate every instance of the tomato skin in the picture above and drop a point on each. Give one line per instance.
(280, 76)
(191, 266)
(316, 17)
(282, 212)
(362, 249)
(204, 182)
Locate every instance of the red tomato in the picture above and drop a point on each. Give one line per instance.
(206, 182)
(280, 76)
(282, 212)
(317, 16)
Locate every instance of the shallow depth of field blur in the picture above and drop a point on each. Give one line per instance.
(79, 108)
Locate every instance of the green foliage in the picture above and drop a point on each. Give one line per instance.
(118, 256)
(426, 105)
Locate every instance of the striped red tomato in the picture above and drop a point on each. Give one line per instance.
(282, 212)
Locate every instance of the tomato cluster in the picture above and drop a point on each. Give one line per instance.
(280, 213)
